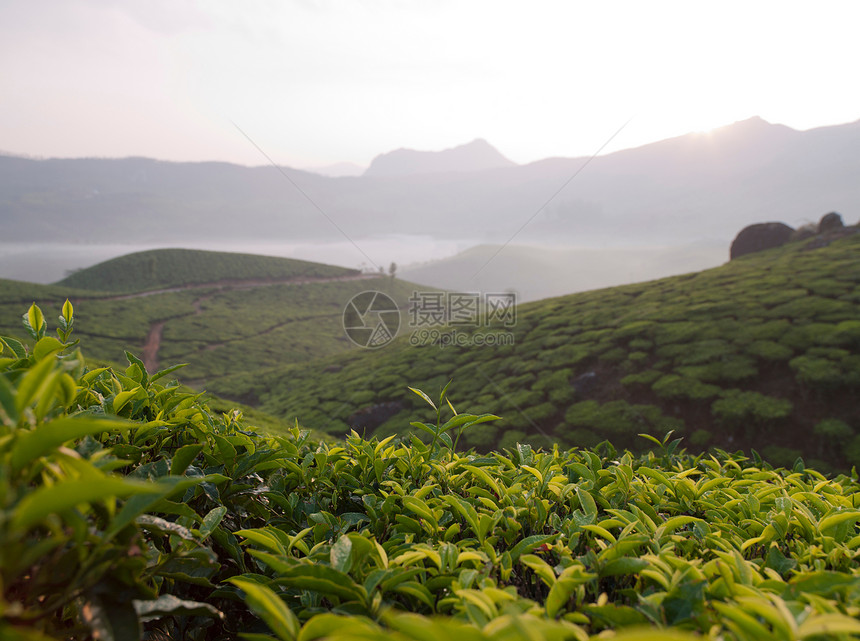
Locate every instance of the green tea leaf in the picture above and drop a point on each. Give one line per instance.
(164, 372)
(66, 495)
(14, 345)
(169, 605)
(122, 398)
(424, 396)
(163, 526)
(324, 580)
(134, 360)
(340, 555)
(46, 347)
(539, 567)
(623, 566)
(136, 505)
(34, 322)
(828, 625)
(35, 380)
(49, 436)
(183, 457)
(269, 607)
(529, 544)
(68, 312)
(586, 501)
(324, 625)
(834, 520)
(211, 521)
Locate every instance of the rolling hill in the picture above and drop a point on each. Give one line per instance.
(166, 268)
(763, 352)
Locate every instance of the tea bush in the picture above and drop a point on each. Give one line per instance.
(737, 406)
(129, 510)
(769, 350)
(674, 386)
(730, 368)
(833, 429)
(820, 372)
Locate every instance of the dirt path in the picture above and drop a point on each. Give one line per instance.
(149, 354)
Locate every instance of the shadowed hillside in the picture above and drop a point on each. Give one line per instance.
(762, 352)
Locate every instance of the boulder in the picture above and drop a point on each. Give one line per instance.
(759, 237)
(830, 221)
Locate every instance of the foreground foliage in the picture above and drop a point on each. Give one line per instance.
(130, 511)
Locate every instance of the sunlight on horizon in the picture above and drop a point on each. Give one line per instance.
(315, 85)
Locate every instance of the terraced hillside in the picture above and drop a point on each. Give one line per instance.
(763, 352)
(168, 268)
(268, 313)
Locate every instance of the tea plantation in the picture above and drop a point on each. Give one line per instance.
(762, 353)
(221, 313)
(129, 510)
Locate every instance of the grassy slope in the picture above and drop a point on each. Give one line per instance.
(756, 353)
(161, 268)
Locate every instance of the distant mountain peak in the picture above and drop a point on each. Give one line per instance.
(477, 155)
(754, 120)
(755, 126)
(477, 143)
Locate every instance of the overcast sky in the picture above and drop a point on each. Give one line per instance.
(315, 83)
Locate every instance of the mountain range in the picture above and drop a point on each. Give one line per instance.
(704, 185)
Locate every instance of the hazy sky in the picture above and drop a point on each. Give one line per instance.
(315, 83)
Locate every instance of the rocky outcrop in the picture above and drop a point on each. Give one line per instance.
(830, 221)
(759, 237)
(806, 231)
